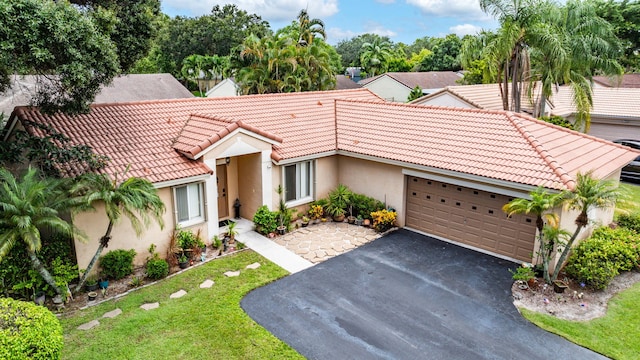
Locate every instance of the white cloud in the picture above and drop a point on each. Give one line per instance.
(375, 28)
(465, 29)
(270, 10)
(452, 8)
(334, 35)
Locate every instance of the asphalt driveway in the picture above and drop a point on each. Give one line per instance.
(404, 296)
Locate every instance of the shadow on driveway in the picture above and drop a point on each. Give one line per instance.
(405, 296)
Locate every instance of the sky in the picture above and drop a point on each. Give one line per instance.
(400, 20)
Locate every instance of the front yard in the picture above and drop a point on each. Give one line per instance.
(204, 324)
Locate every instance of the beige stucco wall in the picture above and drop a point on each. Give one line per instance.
(389, 89)
(380, 181)
(249, 185)
(445, 99)
(94, 224)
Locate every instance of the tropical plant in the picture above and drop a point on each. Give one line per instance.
(522, 273)
(28, 205)
(309, 28)
(415, 93)
(265, 220)
(540, 204)
(339, 200)
(135, 198)
(589, 194)
(374, 55)
(383, 219)
(232, 232)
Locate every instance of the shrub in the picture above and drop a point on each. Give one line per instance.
(157, 268)
(28, 331)
(364, 205)
(630, 221)
(597, 260)
(187, 239)
(117, 264)
(265, 220)
(557, 120)
(383, 220)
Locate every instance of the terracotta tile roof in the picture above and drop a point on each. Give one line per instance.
(607, 102)
(627, 81)
(481, 96)
(426, 80)
(494, 144)
(143, 134)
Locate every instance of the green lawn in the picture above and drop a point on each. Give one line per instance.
(633, 193)
(616, 335)
(204, 324)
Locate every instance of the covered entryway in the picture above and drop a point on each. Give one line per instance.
(469, 216)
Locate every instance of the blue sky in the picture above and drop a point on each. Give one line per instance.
(401, 20)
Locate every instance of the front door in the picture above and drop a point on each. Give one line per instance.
(223, 203)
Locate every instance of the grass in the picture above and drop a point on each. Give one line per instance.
(204, 324)
(616, 335)
(633, 193)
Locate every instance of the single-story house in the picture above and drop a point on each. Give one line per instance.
(132, 87)
(396, 86)
(624, 81)
(447, 171)
(228, 86)
(615, 113)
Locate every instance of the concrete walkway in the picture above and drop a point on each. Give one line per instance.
(278, 254)
(304, 247)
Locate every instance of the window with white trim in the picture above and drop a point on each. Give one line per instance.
(298, 182)
(189, 204)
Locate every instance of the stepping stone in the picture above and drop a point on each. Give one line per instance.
(178, 294)
(207, 284)
(253, 266)
(90, 325)
(232, 273)
(150, 306)
(113, 313)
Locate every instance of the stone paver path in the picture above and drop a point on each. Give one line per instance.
(319, 242)
(253, 266)
(232, 273)
(113, 313)
(178, 294)
(207, 284)
(90, 325)
(150, 306)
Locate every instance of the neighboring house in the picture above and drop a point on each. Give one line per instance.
(133, 87)
(481, 96)
(227, 87)
(446, 171)
(615, 113)
(396, 86)
(344, 82)
(625, 81)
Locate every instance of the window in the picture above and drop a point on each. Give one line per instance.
(298, 182)
(189, 204)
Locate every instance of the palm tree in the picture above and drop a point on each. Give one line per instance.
(193, 68)
(309, 28)
(540, 205)
(29, 205)
(375, 54)
(134, 198)
(589, 193)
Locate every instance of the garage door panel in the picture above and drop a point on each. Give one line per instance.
(469, 216)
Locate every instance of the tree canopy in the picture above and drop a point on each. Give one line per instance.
(74, 47)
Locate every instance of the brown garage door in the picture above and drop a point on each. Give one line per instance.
(469, 216)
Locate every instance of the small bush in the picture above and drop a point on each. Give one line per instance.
(557, 120)
(28, 331)
(157, 268)
(364, 205)
(383, 220)
(265, 220)
(117, 264)
(630, 221)
(597, 260)
(187, 239)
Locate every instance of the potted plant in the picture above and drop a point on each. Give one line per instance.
(316, 211)
(216, 245)
(91, 284)
(103, 282)
(339, 199)
(359, 220)
(92, 295)
(284, 214)
(524, 274)
(232, 232)
(183, 261)
(305, 221)
(351, 219)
